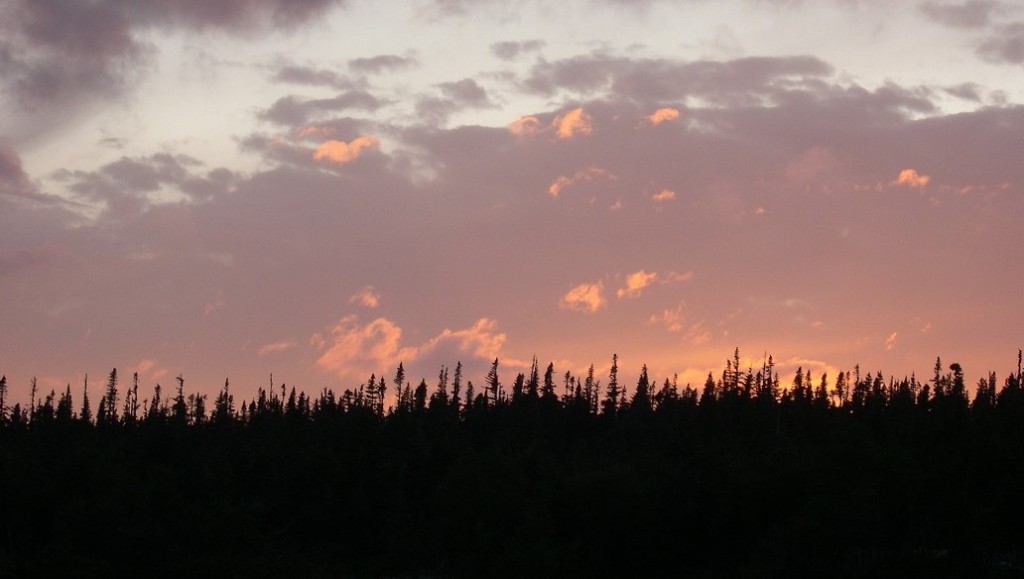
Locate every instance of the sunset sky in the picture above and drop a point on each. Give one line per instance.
(322, 189)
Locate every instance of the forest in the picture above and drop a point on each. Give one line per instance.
(541, 474)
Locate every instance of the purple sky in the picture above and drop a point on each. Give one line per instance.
(233, 189)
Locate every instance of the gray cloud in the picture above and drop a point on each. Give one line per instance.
(14, 182)
(971, 14)
(510, 50)
(967, 91)
(1005, 44)
(58, 56)
(129, 186)
(293, 111)
(734, 82)
(382, 63)
(458, 95)
(304, 75)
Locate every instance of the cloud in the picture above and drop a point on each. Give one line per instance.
(583, 175)
(366, 297)
(697, 334)
(353, 349)
(292, 111)
(586, 297)
(525, 126)
(890, 342)
(635, 284)
(382, 63)
(673, 276)
(911, 178)
(276, 347)
(511, 50)
(132, 185)
(663, 195)
(1006, 45)
(672, 319)
(662, 115)
(482, 340)
(465, 92)
(14, 181)
(738, 82)
(814, 164)
(971, 14)
(573, 123)
(70, 52)
(340, 152)
(303, 75)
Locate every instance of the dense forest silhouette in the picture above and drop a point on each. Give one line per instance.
(546, 474)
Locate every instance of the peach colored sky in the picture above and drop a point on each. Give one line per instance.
(321, 190)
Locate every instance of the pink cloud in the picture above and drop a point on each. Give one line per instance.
(662, 115)
(586, 297)
(340, 152)
(481, 340)
(525, 126)
(890, 342)
(635, 284)
(573, 123)
(664, 195)
(366, 297)
(583, 175)
(275, 347)
(912, 179)
(353, 349)
(672, 319)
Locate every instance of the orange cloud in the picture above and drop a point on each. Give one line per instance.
(635, 284)
(340, 152)
(365, 297)
(149, 366)
(313, 131)
(525, 126)
(698, 334)
(588, 174)
(675, 276)
(890, 341)
(912, 179)
(275, 347)
(352, 349)
(482, 340)
(662, 115)
(672, 319)
(664, 195)
(586, 297)
(573, 123)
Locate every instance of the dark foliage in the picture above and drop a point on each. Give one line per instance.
(867, 477)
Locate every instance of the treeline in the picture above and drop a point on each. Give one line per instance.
(546, 474)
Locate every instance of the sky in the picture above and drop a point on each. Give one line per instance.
(320, 190)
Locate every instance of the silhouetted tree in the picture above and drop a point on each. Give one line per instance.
(611, 396)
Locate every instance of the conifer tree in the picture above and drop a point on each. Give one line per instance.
(611, 397)
(65, 410)
(86, 414)
(493, 384)
(456, 385)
